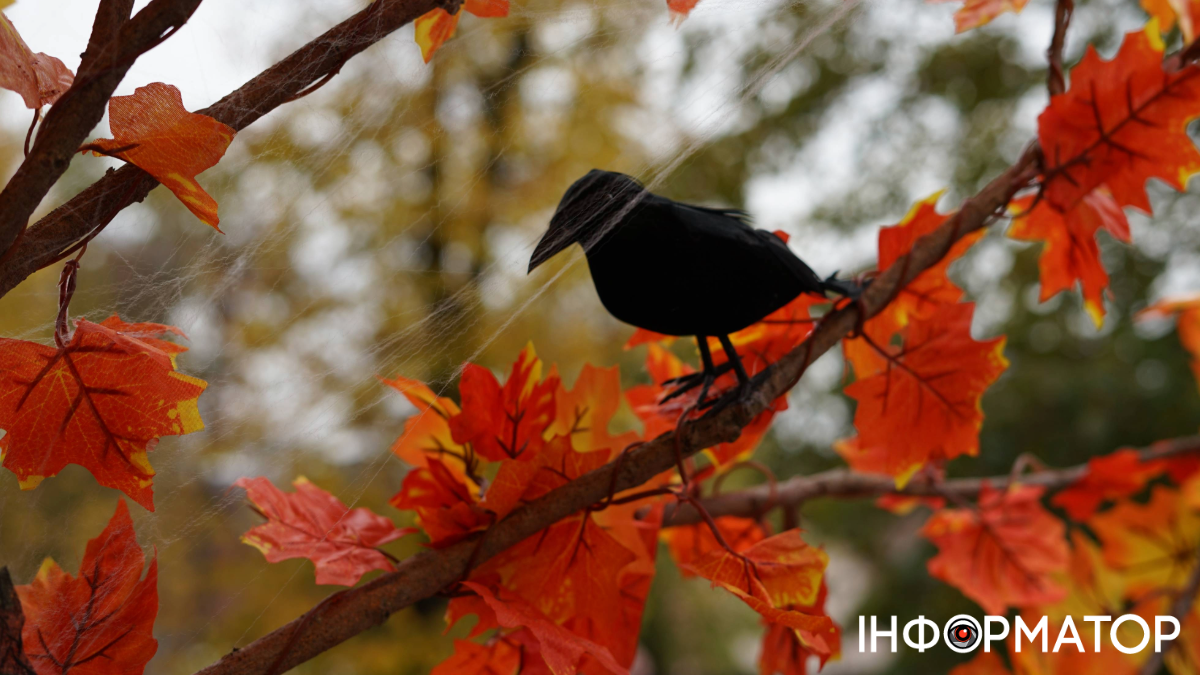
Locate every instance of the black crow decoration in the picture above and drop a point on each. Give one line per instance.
(678, 269)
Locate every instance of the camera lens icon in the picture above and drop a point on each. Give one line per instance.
(962, 633)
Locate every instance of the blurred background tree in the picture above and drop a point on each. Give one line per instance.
(383, 224)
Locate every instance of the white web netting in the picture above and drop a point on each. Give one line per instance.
(383, 224)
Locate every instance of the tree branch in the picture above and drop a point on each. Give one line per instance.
(1056, 79)
(426, 574)
(53, 235)
(81, 107)
(753, 502)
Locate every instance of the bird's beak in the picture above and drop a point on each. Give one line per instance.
(552, 243)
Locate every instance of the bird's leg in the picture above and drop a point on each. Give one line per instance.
(732, 355)
(710, 373)
(743, 385)
(703, 379)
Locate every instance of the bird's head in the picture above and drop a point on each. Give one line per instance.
(589, 208)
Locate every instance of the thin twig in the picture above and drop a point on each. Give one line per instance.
(1056, 79)
(842, 483)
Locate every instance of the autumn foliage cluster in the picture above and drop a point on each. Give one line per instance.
(570, 598)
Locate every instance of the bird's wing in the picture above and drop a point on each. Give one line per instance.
(736, 214)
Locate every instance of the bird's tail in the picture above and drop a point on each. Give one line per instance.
(842, 287)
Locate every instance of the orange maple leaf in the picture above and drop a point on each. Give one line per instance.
(1169, 12)
(772, 576)
(786, 651)
(506, 422)
(153, 131)
(569, 571)
(426, 433)
(1111, 477)
(1121, 123)
(101, 401)
(923, 296)
(39, 78)
(689, 543)
(498, 657)
(924, 404)
(100, 622)
(311, 523)
(434, 27)
(976, 13)
(1152, 545)
(585, 412)
(1002, 554)
(1070, 253)
(445, 504)
(1187, 312)
(679, 9)
(561, 650)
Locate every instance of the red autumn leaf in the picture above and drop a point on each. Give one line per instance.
(1003, 554)
(680, 9)
(1111, 477)
(905, 504)
(925, 403)
(311, 523)
(102, 402)
(1070, 253)
(427, 434)
(1121, 123)
(641, 336)
(559, 648)
(498, 657)
(433, 28)
(586, 411)
(39, 78)
(1187, 312)
(506, 422)
(689, 543)
(976, 13)
(659, 418)
(1152, 545)
(931, 289)
(786, 650)
(100, 622)
(772, 576)
(445, 505)
(518, 482)
(1169, 12)
(153, 131)
(569, 572)
(923, 296)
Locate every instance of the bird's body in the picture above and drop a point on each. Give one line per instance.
(683, 270)
(675, 268)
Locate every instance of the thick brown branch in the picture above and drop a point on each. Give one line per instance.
(81, 107)
(752, 502)
(48, 239)
(428, 573)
